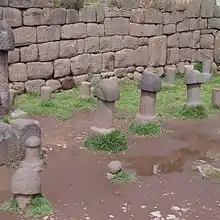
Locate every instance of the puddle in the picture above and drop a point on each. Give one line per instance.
(179, 160)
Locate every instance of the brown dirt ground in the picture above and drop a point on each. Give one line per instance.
(74, 179)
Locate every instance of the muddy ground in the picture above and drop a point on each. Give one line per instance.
(74, 179)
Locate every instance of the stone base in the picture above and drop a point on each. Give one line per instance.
(23, 201)
(143, 119)
(101, 130)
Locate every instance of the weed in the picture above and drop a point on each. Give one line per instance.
(198, 66)
(113, 142)
(10, 206)
(6, 119)
(124, 177)
(146, 129)
(193, 112)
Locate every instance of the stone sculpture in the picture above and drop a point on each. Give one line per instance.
(149, 85)
(114, 168)
(85, 89)
(33, 150)
(45, 93)
(216, 97)
(25, 185)
(206, 66)
(107, 92)
(170, 72)
(193, 80)
(7, 43)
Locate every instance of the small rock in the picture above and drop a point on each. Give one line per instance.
(156, 214)
(175, 209)
(114, 167)
(171, 217)
(143, 206)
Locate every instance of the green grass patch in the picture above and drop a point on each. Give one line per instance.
(193, 112)
(6, 119)
(124, 177)
(113, 142)
(38, 207)
(198, 66)
(146, 129)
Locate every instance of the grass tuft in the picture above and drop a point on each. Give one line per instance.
(10, 206)
(193, 112)
(198, 66)
(124, 177)
(146, 129)
(6, 119)
(113, 142)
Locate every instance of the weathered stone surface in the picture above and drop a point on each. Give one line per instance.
(81, 46)
(214, 23)
(33, 86)
(108, 61)
(207, 8)
(195, 77)
(61, 68)
(150, 82)
(204, 54)
(117, 26)
(159, 71)
(4, 3)
(124, 58)
(140, 69)
(12, 17)
(18, 72)
(111, 12)
(81, 64)
(173, 56)
(72, 16)
(68, 48)
(14, 56)
(95, 30)
(53, 84)
(29, 53)
(138, 15)
(130, 42)
(7, 42)
(157, 51)
(45, 93)
(114, 167)
(25, 36)
(170, 72)
(96, 60)
(81, 78)
(193, 9)
(181, 67)
(183, 25)
(143, 41)
(185, 38)
(141, 56)
(48, 33)
(26, 181)
(173, 40)
(54, 16)
(217, 11)
(18, 86)
(100, 14)
(107, 90)
(120, 72)
(153, 16)
(166, 18)
(186, 54)
(177, 16)
(32, 17)
(207, 41)
(74, 31)
(49, 51)
(38, 70)
(217, 48)
(195, 41)
(92, 45)
(67, 82)
(87, 14)
(207, 66)
(169, 29)
(110, 44)
(85, 89)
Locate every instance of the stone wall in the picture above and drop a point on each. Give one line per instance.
(56, 45)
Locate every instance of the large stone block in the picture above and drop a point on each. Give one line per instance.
(185, 39)
(81, 46)
(32, 17)
(14, 56)
(18, 72)
(108, 61)
(204, 54)
(95, 30)
(87, 14)
(72, 16)
(114, 43)
(117, 26)
(74, 31)
(130, 42)
(169, 29)
(34, 86)
(53, 84)
(29, 53)
(124, 58)
(25, 36)
(153, 16)
(141, 56)
(138, 15)
(183, 25)
(68, 48)
(48, 33)
(217, 47)
(193, 9)
(12, 17)
(149, 30)
(207, 41)
(177, 16)
(61, 68)
(173, 40)
(166, 18)
(207, 8)
(214, 23)
(81, 64)
(92, 45)
(67, 82)
(217, 11)
(195, 41)
(54, 16)
(157, 50)
(49, 51)
(96, 60)
(4, 2)
(186, 54)
(173, 56)
(39, 70)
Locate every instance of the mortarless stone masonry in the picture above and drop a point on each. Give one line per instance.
(66, 46)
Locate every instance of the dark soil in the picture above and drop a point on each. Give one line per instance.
(74, 179)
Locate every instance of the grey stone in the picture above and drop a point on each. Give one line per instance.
(92, 45)
(137, 76)
(4, 3)
(217, 11)
(61, 68)
(138, 15)
(170, 72)
(17, 113)
(107, 90)
(185, 38)
(207, 41)
(181, 67)
(157, 50)
(95, 30)
(173, 40)
(114, 167)
(87, 14)
(32, 16)
(120, 72)
(39, 70)
(96, 60)
(49, 51)
(7, 42)
(173, 55)
(31, 3)
(195, 41)
(100, 14)
(81, 64)
(130, 42)
(53, 84)
(68, 48)
(195, 77)
(169, 29)
(45, 94)
(207, 8)
(19, 86)
(29, 53)
(108, 61)
(177, 16)
(14, 56)
(54, 16)
(26, 181)
(81, 46)
(207, 66)
(33, 86)
(18, 72)
(205, 54)
(140, 69)
(153, 16)
(124, 58)
(111, 12)
(67, 82)
(183, 25)
(25, 36)
(74, 31)
(214, 23)
(193, 9)
(111, 44)
(48, 33)
(166, 18)
(12, 17)
(81, 78)
(72, 16)
(141, 56)
(150, 82)
(186, 54)
(85, 89)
